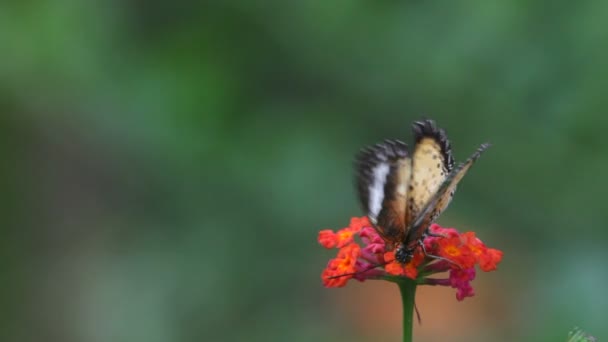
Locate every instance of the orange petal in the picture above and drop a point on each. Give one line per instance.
(344, 237)
(327, 238)
(490, 259)
(357, 223)
(394, 268)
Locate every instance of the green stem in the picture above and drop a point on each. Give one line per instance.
(408, 295)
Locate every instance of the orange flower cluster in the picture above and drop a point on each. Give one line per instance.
(455, 252)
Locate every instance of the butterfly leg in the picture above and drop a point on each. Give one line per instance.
(428, 233)
(421, 244)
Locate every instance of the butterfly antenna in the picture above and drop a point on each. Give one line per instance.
(359, 272)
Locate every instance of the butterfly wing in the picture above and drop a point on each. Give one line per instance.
(383, 172)
(432, 161)
(441, 199)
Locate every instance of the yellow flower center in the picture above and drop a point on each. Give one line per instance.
(452, 250)
(345, 235)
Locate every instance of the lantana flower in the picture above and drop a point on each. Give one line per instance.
(363, 254)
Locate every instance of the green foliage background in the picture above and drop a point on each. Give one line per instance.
(166, 166)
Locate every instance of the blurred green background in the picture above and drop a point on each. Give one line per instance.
(167, 166)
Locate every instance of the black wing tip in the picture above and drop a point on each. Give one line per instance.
(396, 148)
(387, 150)
(424, 127)
(427, 128)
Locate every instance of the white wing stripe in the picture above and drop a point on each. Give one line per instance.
(376, 190)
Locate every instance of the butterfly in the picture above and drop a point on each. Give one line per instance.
(402, 192)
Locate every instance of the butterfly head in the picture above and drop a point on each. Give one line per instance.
(403, 254)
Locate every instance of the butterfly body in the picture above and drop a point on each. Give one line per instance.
(404, 193)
